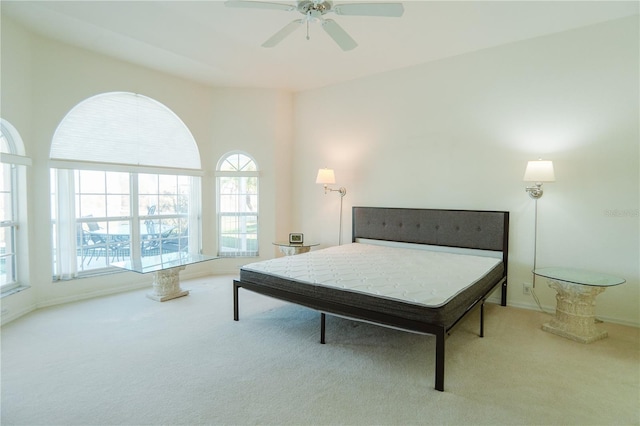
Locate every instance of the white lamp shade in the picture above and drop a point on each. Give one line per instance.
(326, 176)
(539, 171)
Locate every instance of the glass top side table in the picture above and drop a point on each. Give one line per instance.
(166, 269)
(290, 249)
(577, 289)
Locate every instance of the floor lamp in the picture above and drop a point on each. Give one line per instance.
(538, 171)
(327, 177)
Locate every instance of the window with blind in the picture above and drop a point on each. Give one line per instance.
(237, 183)
(12, 186)
(125, 184)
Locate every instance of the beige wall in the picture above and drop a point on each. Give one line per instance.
(43, 79)
(457, 133)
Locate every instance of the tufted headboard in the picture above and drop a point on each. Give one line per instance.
(485, 230)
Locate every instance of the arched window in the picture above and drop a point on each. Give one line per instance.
(125, 184)
(13, 253)
(237, 183)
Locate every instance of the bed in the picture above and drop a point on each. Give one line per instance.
(419, 270)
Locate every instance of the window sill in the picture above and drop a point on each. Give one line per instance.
(96, 273)
(13, 290)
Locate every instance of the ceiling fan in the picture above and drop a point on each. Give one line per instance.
(314, 11)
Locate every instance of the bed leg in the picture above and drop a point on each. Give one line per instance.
(482, 319)
(440, 336)
(503, 299)
(235, 301)
(323, 318)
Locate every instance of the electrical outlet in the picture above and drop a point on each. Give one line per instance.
(526, 288)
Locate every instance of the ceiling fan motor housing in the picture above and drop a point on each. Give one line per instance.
(306, 6)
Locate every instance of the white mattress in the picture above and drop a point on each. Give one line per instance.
(429, 278)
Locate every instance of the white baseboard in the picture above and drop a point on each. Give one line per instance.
(10, 316)
(90, 295)
(113, 290)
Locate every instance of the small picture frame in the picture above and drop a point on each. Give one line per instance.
(296, 238)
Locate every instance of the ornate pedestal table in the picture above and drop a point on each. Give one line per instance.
(290, 249)
(166, 272)
(575, 316)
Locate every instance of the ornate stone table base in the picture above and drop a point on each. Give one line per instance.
(575, 312)
(291, 249)
(166, 285)
(166, 272)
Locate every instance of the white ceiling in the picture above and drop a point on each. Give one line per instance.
(210, 43)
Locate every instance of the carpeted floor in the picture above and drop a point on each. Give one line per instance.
(128, 360)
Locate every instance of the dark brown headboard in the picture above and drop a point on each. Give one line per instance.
(486, 230)
(474, 229)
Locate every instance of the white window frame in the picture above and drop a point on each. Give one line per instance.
(245, 251)
(77, 258)
(15, 255)
(137, 156)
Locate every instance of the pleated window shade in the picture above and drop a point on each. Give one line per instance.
(127, 129)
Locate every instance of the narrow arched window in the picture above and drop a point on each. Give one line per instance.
(13, 241)
(125, 184)
(237, 183)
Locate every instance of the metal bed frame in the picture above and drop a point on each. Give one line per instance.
(469, 229)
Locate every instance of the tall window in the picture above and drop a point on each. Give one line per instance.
(125, 184)
(237, 176)
(12, 173)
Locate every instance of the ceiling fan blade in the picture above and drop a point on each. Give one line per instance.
(370, 9)
(338, 35)
(284, 32)
(259, 5)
